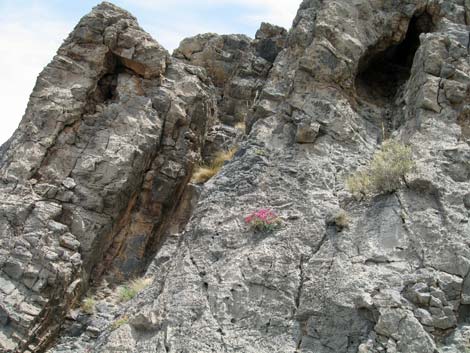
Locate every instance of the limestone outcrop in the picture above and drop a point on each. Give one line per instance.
(238, 68)
(97, 167)
(95, 187)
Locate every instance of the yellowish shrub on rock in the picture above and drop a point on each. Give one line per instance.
(386, 172)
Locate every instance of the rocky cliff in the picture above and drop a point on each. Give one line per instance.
(96, 188)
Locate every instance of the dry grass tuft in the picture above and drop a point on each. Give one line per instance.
(119, 322)
(341, 220)
(88, 305)
(222, 156)
(241, 126)
(359, 183)
(129, 291)
(205, 172)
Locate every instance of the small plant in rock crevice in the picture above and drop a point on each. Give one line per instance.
(119, 322)
(203, 173)
(339, 219)
(240, 126)
(263, 220)
(129, 291)
(386, 172)
(260, 152)
(88, 305)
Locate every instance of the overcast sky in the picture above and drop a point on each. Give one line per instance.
(32, 30)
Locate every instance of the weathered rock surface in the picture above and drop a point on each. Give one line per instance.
(238, 67)
(95, 170)
(395, 280)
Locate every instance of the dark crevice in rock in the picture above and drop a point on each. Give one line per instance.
(382, 77)
(301, 282)
(106, 86)
(468, 42)
(176, 215)
(439, 89)
(464, 122)
(464, 314)
(320, 243)
(382, 72)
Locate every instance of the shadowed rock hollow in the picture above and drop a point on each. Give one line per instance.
(96, 188)
(381, 73)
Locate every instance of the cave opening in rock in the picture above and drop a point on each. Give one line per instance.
(382, 72)
(106, 88)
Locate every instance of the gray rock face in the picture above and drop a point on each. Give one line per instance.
(351, 74)
(98, 164)
(237, 65)
(394, 280)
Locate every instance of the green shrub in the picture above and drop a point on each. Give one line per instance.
(129, 291)
(386, 171)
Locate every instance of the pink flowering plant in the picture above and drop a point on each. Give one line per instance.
(263, 220)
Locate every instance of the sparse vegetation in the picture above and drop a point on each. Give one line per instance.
(386, 171)
(263, 220)
(260, 152)
(119, 322)
(340, 219)
(359, 183)
(129, 291)
(203, 173)
(88, 305)
(241, 126)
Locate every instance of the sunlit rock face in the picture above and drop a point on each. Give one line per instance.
(100, 160)
(96, 188)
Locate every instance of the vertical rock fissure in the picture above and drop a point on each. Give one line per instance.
(301, 282)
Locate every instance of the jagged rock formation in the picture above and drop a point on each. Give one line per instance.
(238, 67)
(96, 169)
(115, 125)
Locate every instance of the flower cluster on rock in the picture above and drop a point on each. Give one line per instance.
(263, 220)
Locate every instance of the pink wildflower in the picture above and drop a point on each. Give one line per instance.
(263, 219)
